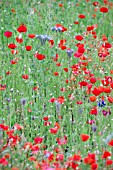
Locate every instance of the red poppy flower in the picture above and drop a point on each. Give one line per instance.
(92, 98)
(81, 50)
(81, 16)
(59, 157)
(80, 45)
(110, 143)
(14, 51)
(32, 158)
(47, 123)
(84, 137)
(62, 141)
(35, 149)
(61, 99)
(27, 145)
(3, 161)
(13, 10)
(94, 166)
(79, 102)
(95, 3)
(13, 62)
(93, 80)
(52, 100)
(83, 83)
(64, 29)
(66, 69)
(107, 45)
(31, 35)
(8, 73)
(2, 87)
(63, 89)
(63, 47)
(53, 130)
(4, 127)
(90, 28)
(109, 78)
(56, 74)
(51, 42)
(35, 88)
(67, 81)
(104, 38)
(46, 118)
(94, 111)
(60, 5)
(88, 160)
(25, 76)
(105, 82)
(39, 56)
(101, 89)
(62, 42)
(38, 140)
(92, 155)
(59, 25)
(12, 46)
(106, 154)
(107, 90)
(110, 99)
(104, 9)
(77, 157)
(73, 165)
(22, 28)
(79, 37)
(58, 64)
(57, 125)
(28, 47)
(105, 1)
(18, 127)
(50, 158)
(96, 91)
(76, 22)
(19, 40)
(109, 162)
(93, 32)
(7, 34)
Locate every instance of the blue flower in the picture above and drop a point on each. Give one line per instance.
(101, 103)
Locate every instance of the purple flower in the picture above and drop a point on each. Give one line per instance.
(58, 105)
(56, 29)
(94, 128)
(69, 52)
(43, 38)
(23, 101)
(8, 100)
(106, 113)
